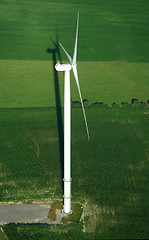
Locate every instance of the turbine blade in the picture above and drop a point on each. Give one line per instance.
(77, 82)
(69, 58)
(75, 47)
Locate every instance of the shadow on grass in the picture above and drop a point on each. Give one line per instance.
(55, 52)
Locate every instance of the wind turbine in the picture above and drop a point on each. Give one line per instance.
(67, 120)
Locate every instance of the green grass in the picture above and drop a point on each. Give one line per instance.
(44, 232)
(26, 135)
(31, 83)
(27, 84)
(109, 30)
(52, 212)
(77, 211)
(110, 173)
(113, 173)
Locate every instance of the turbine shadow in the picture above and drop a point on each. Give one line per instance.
(55, 52)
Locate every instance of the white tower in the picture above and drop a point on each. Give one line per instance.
(67, 136)
(67, 121)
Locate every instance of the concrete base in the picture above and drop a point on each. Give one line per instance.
(66, 214)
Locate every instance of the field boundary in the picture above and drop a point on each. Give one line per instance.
(2, 234)
(134, 103)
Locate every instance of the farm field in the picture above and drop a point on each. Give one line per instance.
(32, 83)
(109, 173)
(109, 30)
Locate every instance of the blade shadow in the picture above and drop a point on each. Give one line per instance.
(55, 52)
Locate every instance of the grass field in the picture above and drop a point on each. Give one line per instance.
(109, 30)
(109, 172)
(113, 41)
(31, 83)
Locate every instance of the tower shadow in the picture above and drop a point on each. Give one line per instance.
(55, 52)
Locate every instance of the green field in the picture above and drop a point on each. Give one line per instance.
(31, 83)
(110, 172)
(109, 30)
(112, 50)
(113, 32)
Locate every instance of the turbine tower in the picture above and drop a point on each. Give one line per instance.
(67, 120)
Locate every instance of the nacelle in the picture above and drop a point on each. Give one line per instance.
(62, 67)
